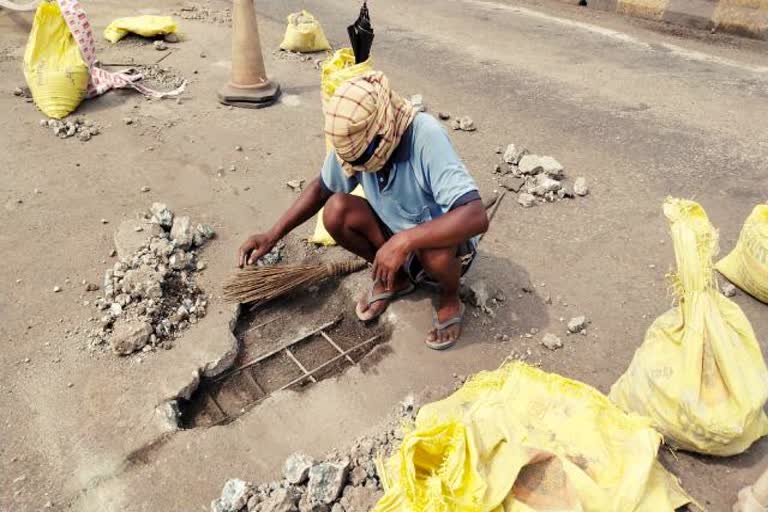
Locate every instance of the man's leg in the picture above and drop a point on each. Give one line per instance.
(351, 222)
(444, 266)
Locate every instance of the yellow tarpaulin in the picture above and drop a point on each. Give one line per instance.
(338, 68)
(747, 265)
(145, 26)
(699, 374)
(522, 440)
(55, 71)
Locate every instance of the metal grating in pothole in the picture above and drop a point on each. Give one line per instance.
(290, 345)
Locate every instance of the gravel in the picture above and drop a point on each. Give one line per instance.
(82, 128)
(150, 295)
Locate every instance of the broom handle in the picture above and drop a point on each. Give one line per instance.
(345, 267)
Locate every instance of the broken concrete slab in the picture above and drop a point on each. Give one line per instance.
(530, 165)
(182, 233)
(551, 167)
(128, 240)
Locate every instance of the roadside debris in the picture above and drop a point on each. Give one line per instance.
(580, 187)
(551, 341)
(578, 325)
(444, 116)
(339, 483)
(465, 124)
(78, 126)
(160, 77)
(205, 14)
(160, 45)
(728, 289)
(534, 178)
(150, 294)
(295, 185)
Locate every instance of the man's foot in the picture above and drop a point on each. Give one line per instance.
(446, 324)
(378, 299)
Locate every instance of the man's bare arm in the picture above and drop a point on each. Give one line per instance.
(311, 200)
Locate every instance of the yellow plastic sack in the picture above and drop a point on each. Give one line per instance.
(699, 374)
(522, 440)
(54, 69)
(145, 26)
(747, 265)
(335, 70)
(304, 34)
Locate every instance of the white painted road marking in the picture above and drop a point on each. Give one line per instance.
(678, 51)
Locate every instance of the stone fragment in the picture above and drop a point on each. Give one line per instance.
(128, 120)
(566, 191)
(551, 341)
(326, 481)
(56, 289)
(203, 233)
(551, 167)
(513, 154)
(180, 260)
(580, 187)
(360, 499)
(358, 475)
(526, 200)
(577, 324)
(160, 45)
(281, 500)
(466, 124)
(130, 336)
(444, 116)
(512, 183)
(145, 189)
(544, 185)
(181, 232)
(171, 38)
(530, 165)
(728, 289)
(161, 215)
(296, 468)
(295, 185)
(234, 496)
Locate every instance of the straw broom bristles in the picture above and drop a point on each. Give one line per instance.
(258, 285)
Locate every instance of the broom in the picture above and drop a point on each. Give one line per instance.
(258, 285)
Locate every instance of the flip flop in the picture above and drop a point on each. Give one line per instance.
(444, 345)
(388, 296)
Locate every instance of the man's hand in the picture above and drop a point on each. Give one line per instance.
(254, 248)
(389, 259)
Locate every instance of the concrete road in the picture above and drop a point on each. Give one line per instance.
(641, 110)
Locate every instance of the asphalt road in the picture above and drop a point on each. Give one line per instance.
(641, 110)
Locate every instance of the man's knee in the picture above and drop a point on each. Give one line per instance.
(336, 211)
(437, 259)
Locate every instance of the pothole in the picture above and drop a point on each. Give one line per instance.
(290, 344)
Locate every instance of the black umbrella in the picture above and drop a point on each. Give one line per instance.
(361, 35)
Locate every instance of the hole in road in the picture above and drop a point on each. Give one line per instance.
(289, 344)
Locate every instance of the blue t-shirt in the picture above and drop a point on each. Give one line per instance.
(426, 179)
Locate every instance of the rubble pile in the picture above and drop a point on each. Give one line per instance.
(150, 295)
(535, 179)
(339, 483)
(206, 14)
(79, 126)
(160, 77)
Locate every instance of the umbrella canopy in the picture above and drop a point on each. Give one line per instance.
(361, 35)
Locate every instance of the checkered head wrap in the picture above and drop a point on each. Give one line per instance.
(361, 109)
